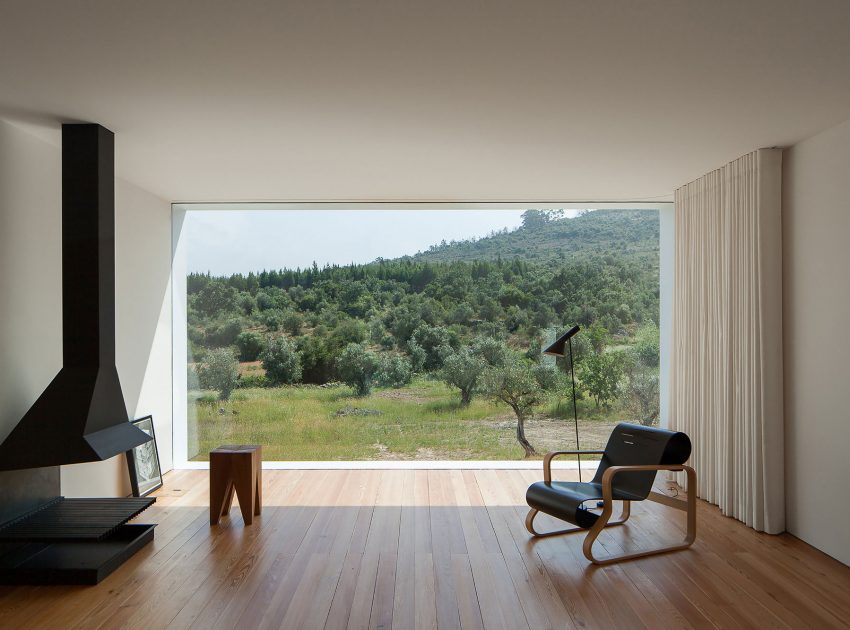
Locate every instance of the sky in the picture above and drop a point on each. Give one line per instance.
(225, 241)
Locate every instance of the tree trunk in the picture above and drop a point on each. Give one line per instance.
(465, 397)
(520, 435)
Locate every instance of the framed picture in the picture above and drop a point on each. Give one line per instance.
(143, 462)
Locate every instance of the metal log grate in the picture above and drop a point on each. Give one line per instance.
(75, 519)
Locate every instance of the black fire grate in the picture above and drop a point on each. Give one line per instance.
(75, 519)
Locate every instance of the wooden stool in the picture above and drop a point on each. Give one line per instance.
(236, 468)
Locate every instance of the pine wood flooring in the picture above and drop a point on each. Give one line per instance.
(433, 549)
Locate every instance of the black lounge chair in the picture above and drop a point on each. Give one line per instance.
(632, 457)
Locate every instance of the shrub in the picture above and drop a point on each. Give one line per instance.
(219, 371)
(246, 303)
(434, 340)
(250, 345)
(223, 334)
(272, 319)
(318, 365)
(357, 367)
(394, 371)
(647, 347)
(346, 332)
(281, 361)
(253, 380)
(291, 322)
(417, 355)
(601, 375)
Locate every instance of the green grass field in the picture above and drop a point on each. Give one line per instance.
(423, 421)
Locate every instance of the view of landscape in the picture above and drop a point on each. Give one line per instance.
(435, 355)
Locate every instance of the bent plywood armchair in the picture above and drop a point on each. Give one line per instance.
(630, 461)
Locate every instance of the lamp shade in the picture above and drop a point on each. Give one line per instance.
(557, 348)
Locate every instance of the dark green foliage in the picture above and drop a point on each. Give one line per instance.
(195, 352)
(597, 334)
(647, 345)
(615, 233)
(223, 333)
(252, 380)
(281, 361)
(292, 322)
(379, 335)
(219, 371)
(357, 368)
(317, 362)
(601, 374)
(272, 319)
(250, 345)
(247, 303)
(215, 299)
(436, 341)
(346, 332)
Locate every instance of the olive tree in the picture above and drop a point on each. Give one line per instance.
(357, 367)
(219, 371)
(281, 361)
(641, 396)
(394, 371)
(465, 368)
(521, 384)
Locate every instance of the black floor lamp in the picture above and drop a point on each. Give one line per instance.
(557, 350)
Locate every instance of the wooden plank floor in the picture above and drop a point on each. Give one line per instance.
(433, 549)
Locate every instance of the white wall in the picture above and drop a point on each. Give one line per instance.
(30, 290)
(816, 229)
(30, 319)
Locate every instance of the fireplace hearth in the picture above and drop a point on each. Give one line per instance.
(72, 541)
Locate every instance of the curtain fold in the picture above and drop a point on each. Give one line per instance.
(726, 363)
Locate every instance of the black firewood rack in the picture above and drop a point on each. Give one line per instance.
(72, 541)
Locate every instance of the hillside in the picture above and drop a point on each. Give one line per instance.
(600, 268)
(630, 233)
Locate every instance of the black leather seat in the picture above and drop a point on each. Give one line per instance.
(629, 463)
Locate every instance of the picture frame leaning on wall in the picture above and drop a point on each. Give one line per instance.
(143, 462)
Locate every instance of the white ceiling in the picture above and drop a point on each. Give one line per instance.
(428, 99)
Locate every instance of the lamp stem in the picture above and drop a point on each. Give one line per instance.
(575, 408)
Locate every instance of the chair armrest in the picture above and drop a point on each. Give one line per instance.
(547, 461)
(608, 478)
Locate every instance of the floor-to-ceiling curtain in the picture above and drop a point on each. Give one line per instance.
(726, 363)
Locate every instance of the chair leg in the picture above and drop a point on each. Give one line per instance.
(690, 534)
(529, 523)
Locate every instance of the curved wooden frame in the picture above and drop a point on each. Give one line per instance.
(604, 521)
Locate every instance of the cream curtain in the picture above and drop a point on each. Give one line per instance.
(726, 363)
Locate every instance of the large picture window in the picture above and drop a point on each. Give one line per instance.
(392, 335)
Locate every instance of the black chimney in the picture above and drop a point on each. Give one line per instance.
(81, 416)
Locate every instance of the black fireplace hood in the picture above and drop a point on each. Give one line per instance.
(81, 416)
